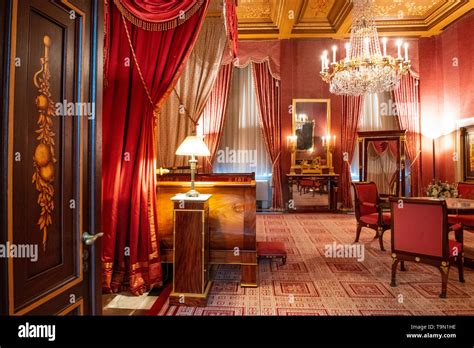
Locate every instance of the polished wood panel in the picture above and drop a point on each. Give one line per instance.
(45, 33)
(188, 254)
(191, 252)
(232, 218)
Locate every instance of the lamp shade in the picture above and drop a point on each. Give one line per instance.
(193, 145)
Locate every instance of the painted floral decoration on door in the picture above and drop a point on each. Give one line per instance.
(44, 157)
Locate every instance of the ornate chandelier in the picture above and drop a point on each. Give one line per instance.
(365, 69)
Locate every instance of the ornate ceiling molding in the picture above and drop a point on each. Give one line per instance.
(259, 19)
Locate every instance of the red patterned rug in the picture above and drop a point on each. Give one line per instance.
(314, 283)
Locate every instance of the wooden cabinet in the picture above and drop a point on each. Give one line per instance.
(191, 250)
(232, 219)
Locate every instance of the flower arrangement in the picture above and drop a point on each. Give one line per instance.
(439, 189)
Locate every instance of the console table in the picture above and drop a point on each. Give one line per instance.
(331, 180)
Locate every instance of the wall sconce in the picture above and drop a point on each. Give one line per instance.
(291, 141)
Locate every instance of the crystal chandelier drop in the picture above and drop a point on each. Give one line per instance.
(365, 69)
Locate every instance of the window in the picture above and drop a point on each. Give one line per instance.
(242, 148)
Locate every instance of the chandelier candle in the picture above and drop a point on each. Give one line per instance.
(364, 69)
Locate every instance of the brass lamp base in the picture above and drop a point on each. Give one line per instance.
(192, 193)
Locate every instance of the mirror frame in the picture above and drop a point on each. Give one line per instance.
(293, 122)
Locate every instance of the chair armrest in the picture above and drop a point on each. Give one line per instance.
(458, 232)
(371, 205)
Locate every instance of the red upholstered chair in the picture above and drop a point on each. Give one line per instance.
(420, 233)
(368, 211)
(465, 190)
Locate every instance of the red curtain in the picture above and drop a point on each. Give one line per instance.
(130, 253)
(213, 116)
(351, 108)
(407, 99)
(380, 147)
(158, 15)
(232, 29)
(268, 98)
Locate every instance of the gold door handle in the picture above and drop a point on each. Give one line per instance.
(89, 239)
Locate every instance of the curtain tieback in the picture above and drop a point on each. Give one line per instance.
(276, 159)
(147, 91)
(416, 157)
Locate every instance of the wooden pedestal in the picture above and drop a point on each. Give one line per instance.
(191, 251)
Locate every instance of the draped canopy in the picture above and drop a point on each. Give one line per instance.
(142, 68)
(158, 15)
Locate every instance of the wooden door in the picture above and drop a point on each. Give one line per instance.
(53, 182)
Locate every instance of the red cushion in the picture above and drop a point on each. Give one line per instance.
(372, 219)
(466, 220)
(454, 246)
(271, 249)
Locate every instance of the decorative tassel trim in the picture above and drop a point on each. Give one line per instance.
(158, 26)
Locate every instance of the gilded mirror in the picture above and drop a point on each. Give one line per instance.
(311, 148)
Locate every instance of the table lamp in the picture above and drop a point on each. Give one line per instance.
(193, 146)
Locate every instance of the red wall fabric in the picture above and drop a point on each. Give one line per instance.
(300, 66)
(128, 168)
(446, 93)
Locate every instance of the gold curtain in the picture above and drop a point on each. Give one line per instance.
(186, 103)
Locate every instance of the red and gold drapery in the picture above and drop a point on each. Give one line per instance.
(268, 93)
(142, 67)
(213, 116)
(351, 108)
(232, 29)
(407, 99)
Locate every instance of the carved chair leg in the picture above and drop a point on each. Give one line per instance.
(402, 266)
(359, 228)
(444, 280)
(283, 260)
(394, 272)
(380, 233)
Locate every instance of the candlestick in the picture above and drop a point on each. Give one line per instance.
(322, 63)
(334, 49)
(406, 51)
(323, 140)
(399, 46)
(384, 43)
(333, 140)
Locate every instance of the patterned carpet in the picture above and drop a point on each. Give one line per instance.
(313, 284)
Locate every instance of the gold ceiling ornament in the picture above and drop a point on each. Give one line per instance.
(44, 157)
(318, 6)
(254, 10)
(409, 8)
(365, 68)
